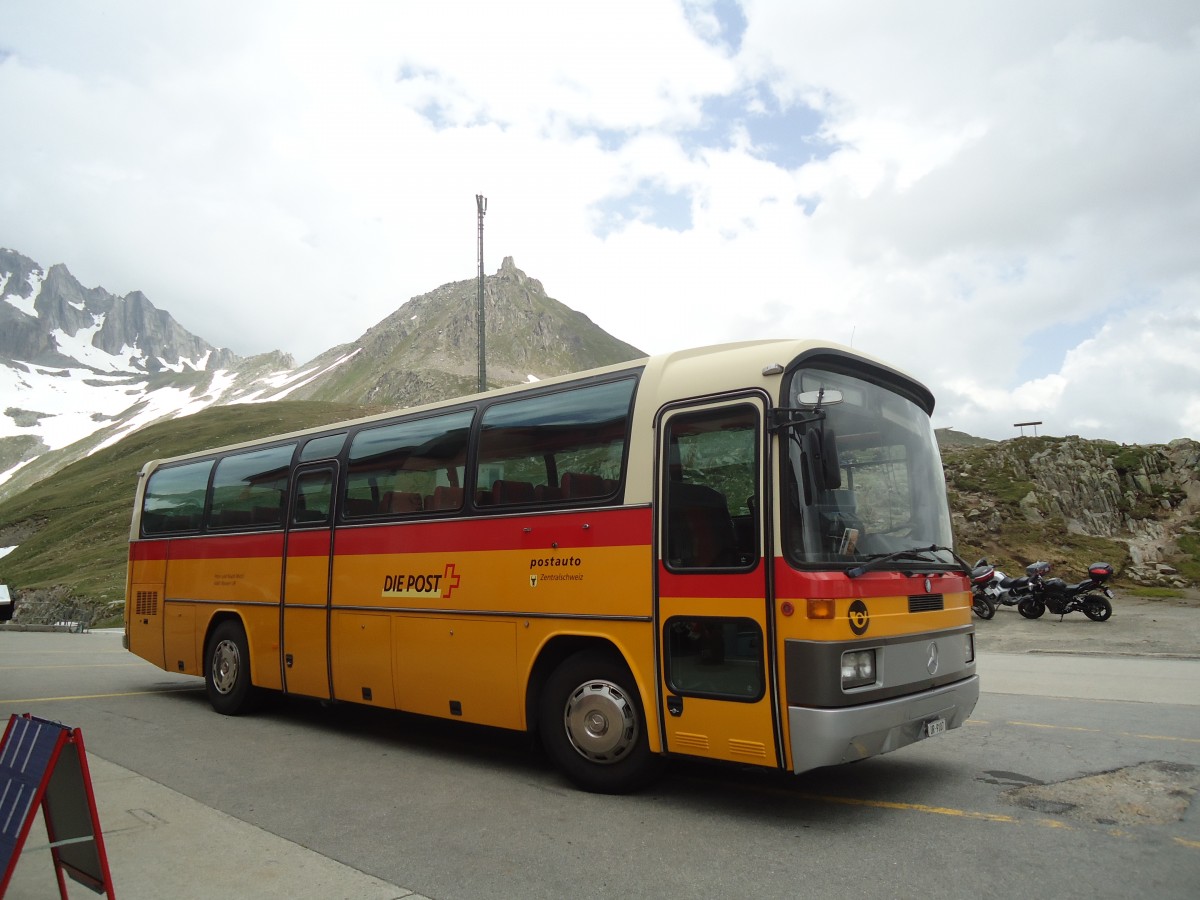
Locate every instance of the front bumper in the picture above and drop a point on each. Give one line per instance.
(827, 737)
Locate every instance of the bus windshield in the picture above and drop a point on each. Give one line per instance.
(863, 475)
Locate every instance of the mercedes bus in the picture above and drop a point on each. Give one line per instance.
(738, 553)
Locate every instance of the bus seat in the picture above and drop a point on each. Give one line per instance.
(506, 492)
(546, 493)
(303, 515)
(357, 507)
(844, 500)
(701, 530)
(578, 485)
(233, 518)
(445, 497)
(401, 502)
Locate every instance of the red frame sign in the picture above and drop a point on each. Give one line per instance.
(44, 764)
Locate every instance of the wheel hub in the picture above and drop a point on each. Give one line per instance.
(600, 721)
(225, 665)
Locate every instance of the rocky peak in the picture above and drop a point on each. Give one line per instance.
(16, 272)
(427, 349)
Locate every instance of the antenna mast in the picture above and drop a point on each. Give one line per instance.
(481, 206)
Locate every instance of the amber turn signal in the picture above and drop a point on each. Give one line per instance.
(821, 609)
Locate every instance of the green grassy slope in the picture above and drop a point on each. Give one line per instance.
(72, 528)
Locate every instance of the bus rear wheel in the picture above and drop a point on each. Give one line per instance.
(227, 670)
(592, 725)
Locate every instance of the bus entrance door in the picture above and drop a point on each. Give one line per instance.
(717, 693)
(305, 621)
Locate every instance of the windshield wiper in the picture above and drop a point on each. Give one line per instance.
(913, 553)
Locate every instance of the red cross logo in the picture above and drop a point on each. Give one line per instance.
(450, 579)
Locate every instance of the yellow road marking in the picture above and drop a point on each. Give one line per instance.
(912, 807)
(1134, 734)
(1055, 727)
(1054, 823)
(183, 687)
(1195, 845)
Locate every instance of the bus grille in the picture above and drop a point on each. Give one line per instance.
(926, 603)
(145, 603)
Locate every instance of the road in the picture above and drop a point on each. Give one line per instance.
(1073, 778)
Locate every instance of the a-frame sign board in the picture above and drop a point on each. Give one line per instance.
(43, 764)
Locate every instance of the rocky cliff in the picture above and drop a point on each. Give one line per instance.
(1070, 499)
(57, 310)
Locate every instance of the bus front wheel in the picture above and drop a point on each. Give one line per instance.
(227, 670)
(592, 725)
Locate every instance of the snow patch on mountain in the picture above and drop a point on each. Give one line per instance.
(24, 304)
(60, 406)
(278, 385)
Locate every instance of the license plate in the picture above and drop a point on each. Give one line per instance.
(934, 728)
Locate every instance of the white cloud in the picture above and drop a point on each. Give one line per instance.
(287, 174)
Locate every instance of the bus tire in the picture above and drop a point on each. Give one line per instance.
(592, 725)
(227, 670)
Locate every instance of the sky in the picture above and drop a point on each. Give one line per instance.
(1001, 199)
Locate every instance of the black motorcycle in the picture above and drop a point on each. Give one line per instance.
(1090, 596)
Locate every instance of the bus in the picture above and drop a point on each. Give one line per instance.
(738, 553)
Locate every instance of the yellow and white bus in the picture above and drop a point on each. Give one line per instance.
(738, 553)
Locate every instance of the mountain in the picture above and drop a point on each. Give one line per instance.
(427, 349)
(81, 368)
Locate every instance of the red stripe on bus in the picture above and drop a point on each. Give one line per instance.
(227, 546)
(308, 543)
(798, 585)
(144, 551)
(598, 528)
(717, 585)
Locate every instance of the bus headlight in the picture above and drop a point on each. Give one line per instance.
(858, 668)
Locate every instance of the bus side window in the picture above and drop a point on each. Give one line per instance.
(314, 491)
(566, 446)
(250, 489)
(714, 657)
(711, 489)
(398, 469)
(323, 447)
(174, 501)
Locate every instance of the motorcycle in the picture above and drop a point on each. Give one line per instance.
(1090, 596)
(981, 578)
(1005, 591)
